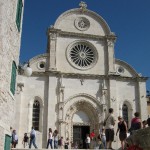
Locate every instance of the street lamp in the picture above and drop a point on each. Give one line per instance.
(25, 70)
(28, 70)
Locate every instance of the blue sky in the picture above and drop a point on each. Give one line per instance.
(129, 19)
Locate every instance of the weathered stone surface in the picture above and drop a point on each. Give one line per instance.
(9, 52)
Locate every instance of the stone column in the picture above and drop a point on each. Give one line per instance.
(110, 45)
(114, 104)
(112, 95)
(52, 39)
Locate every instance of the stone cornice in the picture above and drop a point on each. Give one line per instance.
(79, 35)
(89, 76)
(87, 12)
(32, 60)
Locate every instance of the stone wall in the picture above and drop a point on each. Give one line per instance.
(9, 52)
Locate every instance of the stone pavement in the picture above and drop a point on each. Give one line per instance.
(46, 149)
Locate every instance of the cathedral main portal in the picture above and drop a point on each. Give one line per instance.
(81, 117)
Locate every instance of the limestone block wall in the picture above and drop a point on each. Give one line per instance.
(9, 52)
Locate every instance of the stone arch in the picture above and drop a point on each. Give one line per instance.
(30, 112)
(88, 13)
(81, 102)
(83, 95)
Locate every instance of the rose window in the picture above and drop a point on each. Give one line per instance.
(82, 23)
(82, 55)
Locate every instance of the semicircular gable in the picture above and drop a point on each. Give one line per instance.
(97, 25)
(124, 69)
(39, 63)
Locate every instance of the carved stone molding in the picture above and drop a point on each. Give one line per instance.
(90, 13)
(53, 36)
(81, 35)
(20, 87)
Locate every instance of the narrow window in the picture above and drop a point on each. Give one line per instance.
(18, 14)
(36, 115)
(125, 113)
(13, 78)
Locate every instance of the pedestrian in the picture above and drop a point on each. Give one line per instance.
(50, 139)
(67, 143)
(100, 143)
(88, 140)
(122, 128)
(55, 135)
(32, 138)
(92, 139)
(109, 128)
(144, 123)
(61, 143)
(103, 137)
(148, 122)
(25, 141)
(136, 123)
(14, 139)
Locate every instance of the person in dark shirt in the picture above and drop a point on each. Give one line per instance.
(136, 123)
(25, 140)
(122, 128)
(148, 122)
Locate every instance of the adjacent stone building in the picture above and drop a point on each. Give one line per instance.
(11, 12)
(75, 83)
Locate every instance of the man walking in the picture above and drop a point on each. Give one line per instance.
(109, 129)
(32, 138)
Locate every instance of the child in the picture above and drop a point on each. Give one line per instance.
(25, 140)
(103, 137)
(66, 143)
(100, 143)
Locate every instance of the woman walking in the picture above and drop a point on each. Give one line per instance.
(50, 139)
(55, 135)
(122, 128)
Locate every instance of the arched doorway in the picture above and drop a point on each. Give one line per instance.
(81, 127)
(81, 118)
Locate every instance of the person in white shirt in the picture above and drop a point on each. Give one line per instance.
(14, 139)
(88, 140)
(32, 138)
(50, 139)
(109, 129)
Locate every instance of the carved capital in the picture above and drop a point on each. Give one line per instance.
(53, 36)
(110, 43)
(20, 87)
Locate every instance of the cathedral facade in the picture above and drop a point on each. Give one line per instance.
(75, 83)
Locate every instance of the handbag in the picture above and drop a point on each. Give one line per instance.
(104, 124)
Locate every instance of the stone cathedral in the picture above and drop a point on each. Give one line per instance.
(77, 80)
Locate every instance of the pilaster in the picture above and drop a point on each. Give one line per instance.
(142, 101)
(51, 47)
(111, 58)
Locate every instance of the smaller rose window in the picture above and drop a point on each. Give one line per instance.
(82, 23)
